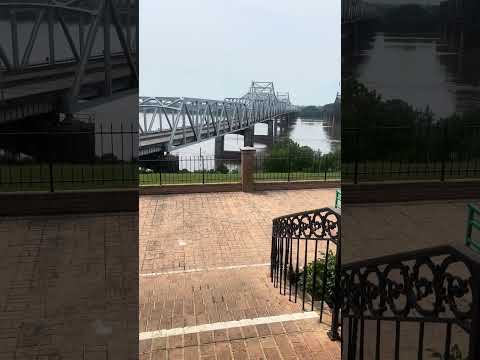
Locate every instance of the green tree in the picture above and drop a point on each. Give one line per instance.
(289, 155)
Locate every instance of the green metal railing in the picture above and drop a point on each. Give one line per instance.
(338, 199)
(473, 222)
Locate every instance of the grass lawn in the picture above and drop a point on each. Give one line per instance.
(208, 178)
(297, 176)
(36, 177)
(396, 170)
(188, 178)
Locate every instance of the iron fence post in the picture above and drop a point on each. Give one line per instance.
(289, 164)
(325, 175)
(338, 297)
(272, 252)
(474, 347)
(50, 160)
(203, 170)
(160, 173)
(355, 171)
(445, 152)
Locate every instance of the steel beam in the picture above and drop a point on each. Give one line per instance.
(209, 118)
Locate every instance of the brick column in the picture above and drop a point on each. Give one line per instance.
(247, 168)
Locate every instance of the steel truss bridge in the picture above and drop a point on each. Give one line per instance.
(169, 123)
(77, 51)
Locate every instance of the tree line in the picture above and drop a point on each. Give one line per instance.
(378, 129)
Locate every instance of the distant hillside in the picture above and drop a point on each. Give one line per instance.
(310, 111)
(319, 111)
(405, 18)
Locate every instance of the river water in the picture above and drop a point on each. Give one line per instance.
(315, 132)
(421, 70)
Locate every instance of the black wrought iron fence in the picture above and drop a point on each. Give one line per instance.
(441, 152)
(305, 260)
(417, 305)
(297, 168)
(69, 157)
(178, 169)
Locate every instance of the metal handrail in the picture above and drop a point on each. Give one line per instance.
(396, 287)
(472, 223)
(290, 271)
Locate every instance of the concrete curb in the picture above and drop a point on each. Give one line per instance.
(237, 187)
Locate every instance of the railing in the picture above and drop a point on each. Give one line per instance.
(62, 158)
(440, 153)
(338, 199)
(412, 304)
(189, 170)
(305, 260)
(207, 169)
(473, 223)
(296, 168)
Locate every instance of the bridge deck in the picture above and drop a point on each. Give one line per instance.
(46, 79)
(154, 142)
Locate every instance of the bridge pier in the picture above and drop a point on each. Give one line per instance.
(283, 124)
(219, 146)
(249, 136)
(219, 152)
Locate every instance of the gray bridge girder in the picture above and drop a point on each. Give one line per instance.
(49, 80)
(67, 84)
(177, 122)
(153, 143)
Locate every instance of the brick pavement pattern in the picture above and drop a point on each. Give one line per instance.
(68, 287)
(403, 227)
(180, 234)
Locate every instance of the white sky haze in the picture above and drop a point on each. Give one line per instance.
(214, 48)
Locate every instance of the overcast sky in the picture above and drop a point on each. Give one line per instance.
(214, 48)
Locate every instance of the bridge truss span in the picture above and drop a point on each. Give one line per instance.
(78, 50)
(168, 123)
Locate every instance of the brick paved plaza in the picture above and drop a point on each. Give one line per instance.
(204, 260)
(422, 224)
(68, 287)
(203, 264)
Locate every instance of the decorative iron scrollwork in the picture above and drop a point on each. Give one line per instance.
(428, 287)
(316, 224)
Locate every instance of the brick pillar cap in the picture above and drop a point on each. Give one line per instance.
(247, 148)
